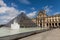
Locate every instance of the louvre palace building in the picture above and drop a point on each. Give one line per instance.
(45, 21)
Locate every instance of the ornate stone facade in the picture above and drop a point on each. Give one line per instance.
(45, 21)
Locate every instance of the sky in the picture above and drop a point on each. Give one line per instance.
(9, 9)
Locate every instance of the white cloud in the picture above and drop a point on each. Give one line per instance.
(33, 8)
(10, 12)
(13, 5)
(56, 13)
(32, 14)
(2, 9)
(22, 11)
(2, 3)
(25, 1)
(48, 9)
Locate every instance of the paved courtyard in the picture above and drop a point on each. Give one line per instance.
(48, 35)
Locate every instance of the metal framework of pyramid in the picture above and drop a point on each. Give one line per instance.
(22, 20)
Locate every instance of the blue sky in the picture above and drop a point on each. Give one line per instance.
(11, 8)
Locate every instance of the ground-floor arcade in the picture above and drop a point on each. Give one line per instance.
(52, 25)
(49, 25)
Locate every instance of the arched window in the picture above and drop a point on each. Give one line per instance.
(47, 24)
(56, 24)
(53, 24)
(59, 24)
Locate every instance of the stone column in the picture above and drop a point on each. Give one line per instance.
(39, 25)
(51, 25)
(42, 25)
(54, 25)
(46, 25)
(57, 24)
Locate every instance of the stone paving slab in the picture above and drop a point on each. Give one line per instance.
(48, 35)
